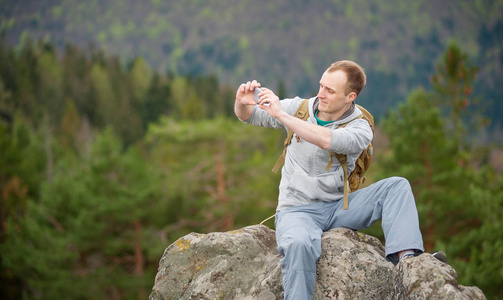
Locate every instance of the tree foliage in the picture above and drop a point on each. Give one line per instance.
(103, 166)
(93, 230)
(458, 194)
(219, 164)
(395, 41)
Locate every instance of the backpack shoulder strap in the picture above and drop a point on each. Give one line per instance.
(366, 115)
(343, 162)
(301, 113)
(343, 157)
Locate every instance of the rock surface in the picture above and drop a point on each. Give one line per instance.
(244, 264)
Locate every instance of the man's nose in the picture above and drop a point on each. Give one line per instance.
(321, 94)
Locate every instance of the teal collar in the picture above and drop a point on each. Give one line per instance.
(321, 122)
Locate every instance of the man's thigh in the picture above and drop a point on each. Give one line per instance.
(364, 209)
(299, 225)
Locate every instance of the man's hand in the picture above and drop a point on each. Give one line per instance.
(244, 94)
(243, 107)
(269, 102)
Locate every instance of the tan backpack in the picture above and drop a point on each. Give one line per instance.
(363, 162)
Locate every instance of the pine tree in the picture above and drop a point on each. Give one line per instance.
(95, 230)
(218, 173)
(457, 194)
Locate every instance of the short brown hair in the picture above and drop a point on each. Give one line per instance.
(356, 78)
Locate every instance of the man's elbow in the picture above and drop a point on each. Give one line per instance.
(326, 142)
(243, 117)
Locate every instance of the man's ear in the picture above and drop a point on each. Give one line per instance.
(351, 97)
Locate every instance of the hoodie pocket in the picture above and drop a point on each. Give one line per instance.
(331, 183)
(324, 187)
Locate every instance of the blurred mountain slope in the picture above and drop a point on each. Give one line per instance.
(290, 42)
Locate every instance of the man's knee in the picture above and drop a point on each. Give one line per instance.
(300, 241)
(399, 182)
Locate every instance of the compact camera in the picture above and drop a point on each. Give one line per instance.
(256, 91)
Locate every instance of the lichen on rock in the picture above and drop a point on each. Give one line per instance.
(244, 264)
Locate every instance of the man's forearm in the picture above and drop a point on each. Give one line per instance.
(314, 134)
(243, 112)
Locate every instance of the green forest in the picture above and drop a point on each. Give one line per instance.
(104, 164)
(287, 42)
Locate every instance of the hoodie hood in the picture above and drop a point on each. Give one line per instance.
(352, 113)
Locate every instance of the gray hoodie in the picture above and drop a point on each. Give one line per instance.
(304, 179)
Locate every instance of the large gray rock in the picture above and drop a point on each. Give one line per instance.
(244, 264)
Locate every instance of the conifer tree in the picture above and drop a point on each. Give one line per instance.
(453, 86)
(457, 194)
(95, 229)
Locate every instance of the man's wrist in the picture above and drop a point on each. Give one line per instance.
(283, 116)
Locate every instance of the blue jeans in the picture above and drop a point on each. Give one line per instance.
(299, 229)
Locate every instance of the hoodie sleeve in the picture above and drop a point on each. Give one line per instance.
(352, 139)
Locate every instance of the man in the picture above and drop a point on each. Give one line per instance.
(310, 196)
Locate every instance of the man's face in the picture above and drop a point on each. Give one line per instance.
(333, 101)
